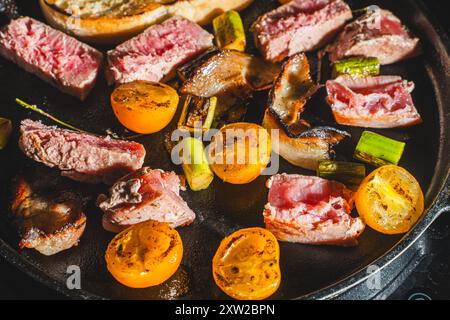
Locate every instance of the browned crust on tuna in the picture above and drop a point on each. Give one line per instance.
(291, 233)
(369, 122)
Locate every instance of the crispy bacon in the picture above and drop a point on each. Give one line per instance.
(372, 102)
(310, 210)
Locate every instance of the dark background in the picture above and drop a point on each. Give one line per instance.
(429, 274)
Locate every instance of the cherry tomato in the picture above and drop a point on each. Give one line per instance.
(144, 107)
(246, 265)
(390, 200)
(144, 255)
(240, 152)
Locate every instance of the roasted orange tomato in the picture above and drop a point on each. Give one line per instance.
(144, 255)
(390, 200)
(239, 152)
(144, 107)
(246, 265)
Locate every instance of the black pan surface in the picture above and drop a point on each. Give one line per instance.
(307, 271)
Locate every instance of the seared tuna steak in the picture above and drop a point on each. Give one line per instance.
(156, 53)
(379, 34)
(310, 210)
(300, 25)
(80, 156)
(372, 102)
(53, 56)
(145, 195)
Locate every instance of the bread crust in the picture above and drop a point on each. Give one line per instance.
(116, 28)
(204, 11)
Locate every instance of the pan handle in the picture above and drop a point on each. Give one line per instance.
(442, 203)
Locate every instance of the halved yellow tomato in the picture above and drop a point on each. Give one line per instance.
(144, 255)
(247, 264)
(390, 200)
(143, 106)
(240, 152)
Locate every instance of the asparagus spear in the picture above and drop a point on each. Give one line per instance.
(195, 164)
(362, 67)
(229, 31)
(349, 173)
(378, 150)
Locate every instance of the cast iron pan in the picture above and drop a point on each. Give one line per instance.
(307, 271)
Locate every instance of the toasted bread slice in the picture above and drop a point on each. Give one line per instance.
(114, 21)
